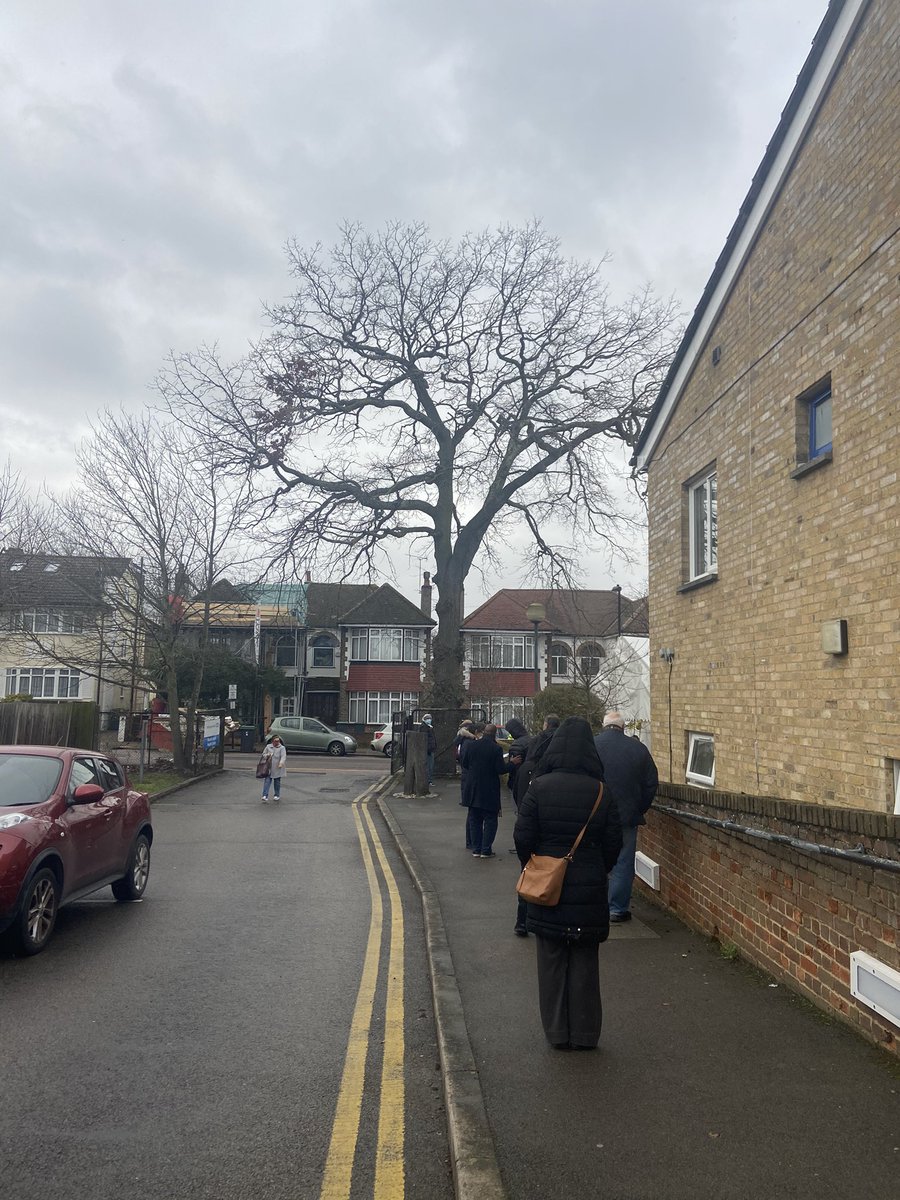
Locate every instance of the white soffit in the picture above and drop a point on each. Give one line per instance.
(844, 28)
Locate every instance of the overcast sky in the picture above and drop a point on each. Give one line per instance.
(156, 157)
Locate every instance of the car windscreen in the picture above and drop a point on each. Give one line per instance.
(27, 778)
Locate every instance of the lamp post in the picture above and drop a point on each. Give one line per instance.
(535, 614)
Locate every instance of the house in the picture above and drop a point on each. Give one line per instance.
(69, 631)
(774, 545)
(366, 648)
(356, 652)
(595, 639)
(771, 458)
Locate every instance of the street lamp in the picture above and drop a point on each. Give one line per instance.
(535, 614)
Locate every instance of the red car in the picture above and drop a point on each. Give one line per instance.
(69, 824)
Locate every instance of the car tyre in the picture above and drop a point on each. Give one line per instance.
(389, 750)
(133, 883)
(337, 749)
(37, 913)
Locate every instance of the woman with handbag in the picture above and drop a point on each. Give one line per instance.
(566, 812)
(275, 758)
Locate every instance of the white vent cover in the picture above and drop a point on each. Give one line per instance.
(647, 870)
(875, 984)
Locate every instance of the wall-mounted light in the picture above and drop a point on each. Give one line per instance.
(667, 655)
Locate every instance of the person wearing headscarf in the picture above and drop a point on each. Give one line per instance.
(552, 812)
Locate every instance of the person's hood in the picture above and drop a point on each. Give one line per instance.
(572, 749)
(516, 728)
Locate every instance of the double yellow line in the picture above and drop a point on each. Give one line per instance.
(389, 1165)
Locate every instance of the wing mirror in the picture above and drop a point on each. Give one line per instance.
(88, 793)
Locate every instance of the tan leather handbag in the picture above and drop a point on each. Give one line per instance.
(542, 876)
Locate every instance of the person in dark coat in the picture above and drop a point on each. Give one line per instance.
(517, 751)
(524, 774)
(465, 733)
(553, 810)
(632, 778)
(483, 763)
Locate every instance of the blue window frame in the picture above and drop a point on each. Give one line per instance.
(820, 424)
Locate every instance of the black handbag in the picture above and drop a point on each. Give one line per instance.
(264, 766)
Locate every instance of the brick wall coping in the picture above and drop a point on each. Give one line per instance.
(851, 829)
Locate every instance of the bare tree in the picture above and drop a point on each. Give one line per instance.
(150, 492)
(413, 389)
(24, 515)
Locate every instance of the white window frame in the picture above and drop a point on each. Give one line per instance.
(51, 620)
(56, 683)
(375, 708)
(695, 777)
(287, 706)
(502, 651)
(897, 787)
(370, 644)
(703, 549)
(556, 657)
(501, 709)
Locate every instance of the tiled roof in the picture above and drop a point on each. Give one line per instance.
(386, 606)
(569, 611)
(327, 602)
(55, 579)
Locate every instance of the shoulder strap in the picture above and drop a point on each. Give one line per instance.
(577, 842)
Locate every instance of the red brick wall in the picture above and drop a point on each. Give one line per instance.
(501, 683)
(795, 914)
(384, 677)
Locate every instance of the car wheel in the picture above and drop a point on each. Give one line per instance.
(133, 883)
(389, 750)
(337, 749)
(37, 914)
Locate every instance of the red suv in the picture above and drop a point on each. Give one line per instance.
(69, 824)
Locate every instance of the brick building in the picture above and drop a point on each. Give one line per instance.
(775, 542)
(589, 638)
(774, 511)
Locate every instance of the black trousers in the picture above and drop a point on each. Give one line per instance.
(569, 991)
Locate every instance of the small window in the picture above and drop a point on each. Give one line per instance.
(17, 566)
(559, 660)
(897, 787)
(51, 567)
(820, 424)
(589, 659)
(322, 651)
(703, 529)
(701, 759)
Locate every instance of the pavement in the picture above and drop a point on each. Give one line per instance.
(710, 1081)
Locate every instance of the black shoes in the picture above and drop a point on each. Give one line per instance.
(616, 918)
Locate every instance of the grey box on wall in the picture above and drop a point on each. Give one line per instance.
(834, 637)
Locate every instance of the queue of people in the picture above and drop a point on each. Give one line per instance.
(562, 780)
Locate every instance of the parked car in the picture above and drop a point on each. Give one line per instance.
(383, 740)
(308, 733)
(69, 824)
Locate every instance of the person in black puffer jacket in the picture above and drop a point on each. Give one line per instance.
(552, 812)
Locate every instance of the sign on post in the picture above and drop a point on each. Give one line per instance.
(210, 732)
(232, 691)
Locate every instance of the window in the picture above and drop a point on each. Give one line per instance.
(820, 424)
(589, 656)
(375, 708)
(53, 683)
(311, 725)
(84, 770)
(218, 637)
(703, 526)
(701, 759)
(501, 709)
(287, 706)
(386, 645)
(896, 787)
(322, 647)
(109, 773)
(502, 651)
(44, 620)
(559, 660)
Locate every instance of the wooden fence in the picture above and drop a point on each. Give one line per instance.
(48, 723)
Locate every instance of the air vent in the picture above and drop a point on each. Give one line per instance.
(647, 870)
(716, 355)
(875, 984)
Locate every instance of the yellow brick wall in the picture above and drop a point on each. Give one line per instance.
(818, 294)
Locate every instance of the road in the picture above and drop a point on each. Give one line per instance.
(259, 1025)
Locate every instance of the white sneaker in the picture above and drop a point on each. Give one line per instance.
(264, 799)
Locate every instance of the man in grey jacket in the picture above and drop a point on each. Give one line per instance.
(632, 779)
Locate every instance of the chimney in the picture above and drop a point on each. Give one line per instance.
(425, 594)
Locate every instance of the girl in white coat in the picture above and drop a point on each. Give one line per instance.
(277, 758)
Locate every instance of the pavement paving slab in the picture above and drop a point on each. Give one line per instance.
(710, 1080)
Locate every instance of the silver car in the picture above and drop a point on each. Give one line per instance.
(308, 733)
